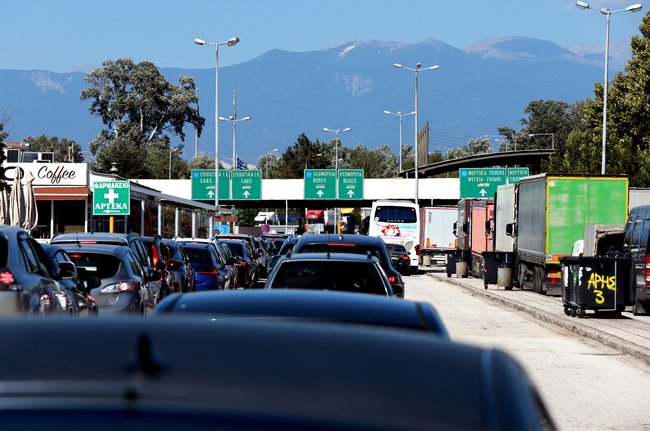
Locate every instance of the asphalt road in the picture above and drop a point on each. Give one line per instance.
(593, 373)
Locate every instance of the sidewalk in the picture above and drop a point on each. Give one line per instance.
(628, 334)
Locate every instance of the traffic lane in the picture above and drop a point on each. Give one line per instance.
(587, 385)
(629, 334)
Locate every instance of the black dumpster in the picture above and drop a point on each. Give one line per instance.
(493, 270)
(599, 283)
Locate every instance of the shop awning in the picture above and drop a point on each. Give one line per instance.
(61, 193)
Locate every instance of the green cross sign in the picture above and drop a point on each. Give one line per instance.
(112, 198)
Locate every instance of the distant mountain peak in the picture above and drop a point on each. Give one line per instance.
(520, 48)
(344, 48)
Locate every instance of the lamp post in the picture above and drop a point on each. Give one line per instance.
(266, 161)
(552, 135)
(336, 164)
(605, 11)
(416, 70)
(400, 115)
(230, 42)
(234, 120)
(175, 150)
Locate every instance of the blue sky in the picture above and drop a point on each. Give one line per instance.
(62, 35)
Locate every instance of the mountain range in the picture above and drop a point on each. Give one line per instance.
(478, 88)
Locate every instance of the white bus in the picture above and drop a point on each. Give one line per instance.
(397, 222)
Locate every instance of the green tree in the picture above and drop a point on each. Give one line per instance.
(268, 161)
(301, 155)
(378, 163)
(64, 151)
(140, 108)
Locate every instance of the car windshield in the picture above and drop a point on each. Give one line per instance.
(344, 248)
(395, 214)
(329, 275)
(97, 264)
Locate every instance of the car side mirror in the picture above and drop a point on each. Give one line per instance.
(465, 228)
(161, 266)
(66, 270)
(511, 229)
(174, 264)
(153, 276)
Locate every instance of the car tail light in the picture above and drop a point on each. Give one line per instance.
(212, 271)
(87, 242)
(121, 287)
(7, 281)
(392, 279)
(417, 249)
(647, 269)
(46, 302)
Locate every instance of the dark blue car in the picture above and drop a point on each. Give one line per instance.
(207, 265)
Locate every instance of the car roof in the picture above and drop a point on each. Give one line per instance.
(341, 307)
(322, 375)
(326, 238)
(95, 248)
(348, 257)
(93, 237)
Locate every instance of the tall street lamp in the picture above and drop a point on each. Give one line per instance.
(400, 115)
(337, 144)
(266, 162)
(230, 42)
(552, 135)
(234, 120)
(336, 210)
(416, 70)
(605, 11)
(175, 150)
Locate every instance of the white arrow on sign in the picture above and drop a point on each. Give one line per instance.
(110, 211)
(350, 193)
(211, 193)
(246, 194)
(482, 192)
(320, 193)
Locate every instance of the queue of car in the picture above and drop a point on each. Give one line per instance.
(317, 300)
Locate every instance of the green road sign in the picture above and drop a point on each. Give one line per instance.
(515, 174)
(112, 198)
(246, 185)
(480, 182)
(320, 184)
(350, 183)
(203, 184)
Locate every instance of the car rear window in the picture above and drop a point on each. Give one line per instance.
(236, 249)
(329, 275)
(97, 264)
(197, 255)
(344, 248)
(3, 252)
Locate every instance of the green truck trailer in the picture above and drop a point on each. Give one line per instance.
(552, 211)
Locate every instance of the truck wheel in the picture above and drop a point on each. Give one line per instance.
(581, 312)
(449, 275)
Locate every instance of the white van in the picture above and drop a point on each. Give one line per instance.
(266, 217)
(397, 222)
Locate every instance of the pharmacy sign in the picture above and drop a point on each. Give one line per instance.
(111, 198)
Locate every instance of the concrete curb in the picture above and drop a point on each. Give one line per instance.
(574, 325)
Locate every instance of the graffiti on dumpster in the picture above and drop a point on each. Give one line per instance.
(598, 283)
